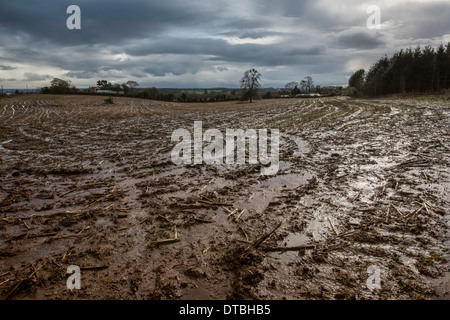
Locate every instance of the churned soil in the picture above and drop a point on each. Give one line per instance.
(362, 185)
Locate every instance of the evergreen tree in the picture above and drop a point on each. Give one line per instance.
(410, 70)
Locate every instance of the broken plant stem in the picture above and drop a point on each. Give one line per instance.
(261, 239)
(332, 226)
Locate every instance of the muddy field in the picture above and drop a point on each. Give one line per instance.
(363, 185)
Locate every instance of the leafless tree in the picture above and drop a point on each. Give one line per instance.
(250, 82)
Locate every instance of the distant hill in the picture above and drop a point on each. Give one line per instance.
(12, 91)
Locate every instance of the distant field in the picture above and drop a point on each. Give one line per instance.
(361, 183)
(201, 91)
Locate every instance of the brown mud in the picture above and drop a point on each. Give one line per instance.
(361, 183)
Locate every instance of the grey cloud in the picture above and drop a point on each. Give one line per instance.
(111, 22)
(80, 74)
(221, 50)
(301, 51)
(172, 38)
(222, 69)
(252, 34)
(419, 20)
(363, 39)
(316, 14)
(30, 76)
(175, 68)
(172, 45)
(248, 23)
(286, 8)
(3, 67)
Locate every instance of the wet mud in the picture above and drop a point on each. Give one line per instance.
(362, 184)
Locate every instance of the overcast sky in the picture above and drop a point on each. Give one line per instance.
(179, 43)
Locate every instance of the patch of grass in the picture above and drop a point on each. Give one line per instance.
(429, 260)
(423, 242)
(438, 257)
(435, 98)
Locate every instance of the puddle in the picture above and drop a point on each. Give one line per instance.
(315, 231)
(103, 222)
(442, 287)
(263, 194)
(216, 184)
(296, 239)
(286, 181)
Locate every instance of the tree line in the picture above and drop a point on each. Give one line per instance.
(408, 70)
(250, 84)
(129, 89)
(306, 85)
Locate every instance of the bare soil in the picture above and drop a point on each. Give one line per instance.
(361, 183)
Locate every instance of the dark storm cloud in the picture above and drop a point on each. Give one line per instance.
(359, 39)
(221, 50)
(264, 55)
(103, 22)
(174, 38)
(175, 68)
